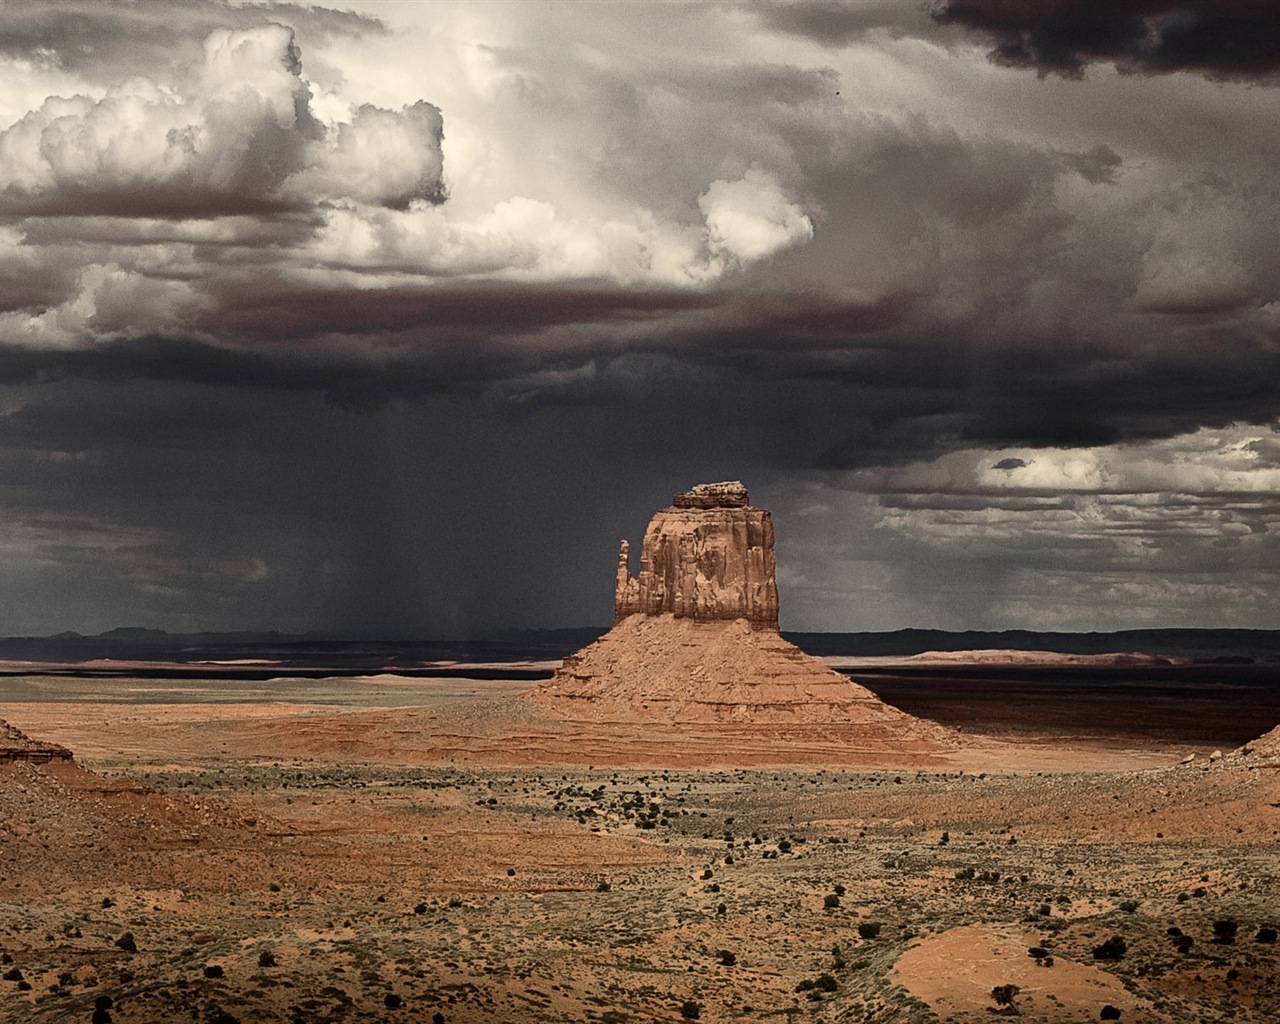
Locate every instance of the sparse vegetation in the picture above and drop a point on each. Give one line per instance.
(1113, 948)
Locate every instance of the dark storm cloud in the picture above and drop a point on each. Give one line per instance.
(265, 310)
(106, 40)
(1222, 39)
(841, 22)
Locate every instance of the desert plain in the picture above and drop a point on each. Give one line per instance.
(361, 848)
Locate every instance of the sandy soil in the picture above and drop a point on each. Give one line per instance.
(333, 858)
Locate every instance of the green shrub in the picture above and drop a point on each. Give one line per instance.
(1113, 949)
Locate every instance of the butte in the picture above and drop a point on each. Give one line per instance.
(694, 665)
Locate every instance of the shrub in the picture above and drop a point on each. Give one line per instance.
(266, 958)
(826, 983)
(127, 943)
(831, 901)
(690, 1010)
(1265, 935)
(1003, 994)
(869, 929)
(603, 887)
(391, 1001)
(965, 873)
(213, 971)
(1183, 943)
(1109, 1012)
(1113, 949)
(13, 974)
(1224, 932)
(101, 1015)
(1129, 906)
(784, 846)
(421, 908)
(727, 958)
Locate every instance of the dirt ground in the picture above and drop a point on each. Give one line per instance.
(333, 855)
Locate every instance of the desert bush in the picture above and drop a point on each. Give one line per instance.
(690, 1010)
(266, 958)
(603, 887)
(869, 929)
(13, 974)
(1265, 935)
(421, 908)
(1004, 995)
(127, 943)
(727, 958)
(1109, 1012)
(965, 873)
(831, 901)
(213, 971)
(392, 1001)
(784, 846)
(1129, 906)
(1113, 949)
(1224, 932)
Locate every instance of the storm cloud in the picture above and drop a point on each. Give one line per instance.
(395, 319)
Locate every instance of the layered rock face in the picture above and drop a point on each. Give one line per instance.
(16, 745)
(707, 557)
(695, 646)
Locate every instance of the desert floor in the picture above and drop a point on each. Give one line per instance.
(249, 852)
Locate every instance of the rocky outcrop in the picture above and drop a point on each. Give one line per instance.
(707, 557)
(16, 745)
(695, 648)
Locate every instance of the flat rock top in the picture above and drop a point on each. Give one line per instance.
(726, 494)
(16, 742)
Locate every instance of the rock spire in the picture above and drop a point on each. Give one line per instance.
(695, 657)
(708, 557)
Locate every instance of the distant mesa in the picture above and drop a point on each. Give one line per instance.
(695, 644)
(15, 745)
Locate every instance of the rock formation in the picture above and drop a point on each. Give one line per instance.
(16, 745)
(707, 557)
(695, 645)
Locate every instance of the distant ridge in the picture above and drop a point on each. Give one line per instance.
(1239, 646)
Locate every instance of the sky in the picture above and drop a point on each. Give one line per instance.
(392, 318)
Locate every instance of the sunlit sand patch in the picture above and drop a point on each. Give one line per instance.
(956, 970)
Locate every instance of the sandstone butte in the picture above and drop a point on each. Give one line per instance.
(695, 644)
